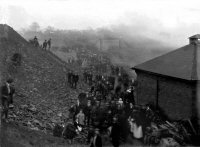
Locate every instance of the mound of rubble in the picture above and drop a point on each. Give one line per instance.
(42, 95)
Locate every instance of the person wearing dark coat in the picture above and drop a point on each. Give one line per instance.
(49, 43)
(123, 122)
(85, 75)
(70, 75)
(129, 109)
(118, 90)
(6, 94)
(12, 92)
(76, 79)
(74, 110)
(96, 140)
(44, 45)
(115, 132)
(35, 42)
(88, 110)
(90, 77)
(108, 116)
(35, 38)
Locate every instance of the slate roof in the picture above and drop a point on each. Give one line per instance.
(197, 36)
(183, 63)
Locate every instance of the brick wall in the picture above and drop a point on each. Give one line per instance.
(175, 96)
(146, 88)
(198, 102)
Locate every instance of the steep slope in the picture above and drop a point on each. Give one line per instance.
(42, 95)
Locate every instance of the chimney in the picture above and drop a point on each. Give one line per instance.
(194, 39)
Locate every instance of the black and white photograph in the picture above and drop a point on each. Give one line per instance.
(99, 73)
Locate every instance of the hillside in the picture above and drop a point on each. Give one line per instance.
(42, 95)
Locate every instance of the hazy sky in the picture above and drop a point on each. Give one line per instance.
(170, 20)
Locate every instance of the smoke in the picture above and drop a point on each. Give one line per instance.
(138, 41)
(157, 20)
(137, 37)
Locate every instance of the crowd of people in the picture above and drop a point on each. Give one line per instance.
(108, 107)
(104, 107)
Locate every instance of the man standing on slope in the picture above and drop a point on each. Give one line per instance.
(45, 45)
(49, 43)
(6, 95)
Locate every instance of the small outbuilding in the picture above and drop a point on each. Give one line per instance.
(171, 81)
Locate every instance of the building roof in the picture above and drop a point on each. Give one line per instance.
(183, 63)
(197, 36)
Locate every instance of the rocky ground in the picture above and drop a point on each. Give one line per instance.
(42, 114)
(39, 111)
